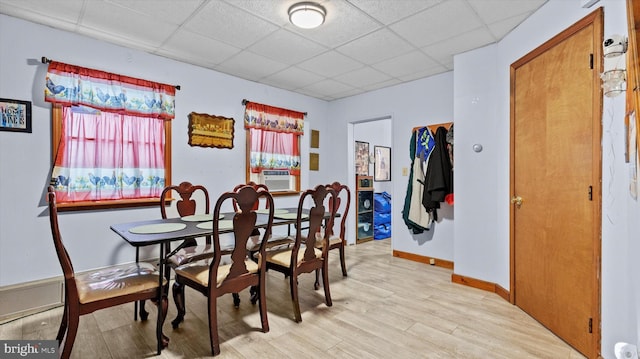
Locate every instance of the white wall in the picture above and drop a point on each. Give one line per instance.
(418, 103)
(26, 250)
(481, 98)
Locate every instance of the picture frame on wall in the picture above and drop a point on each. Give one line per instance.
(210, 131)
(362, 158)
(15, 115)
(382, 163)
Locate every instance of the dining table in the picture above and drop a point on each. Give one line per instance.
(162, 232)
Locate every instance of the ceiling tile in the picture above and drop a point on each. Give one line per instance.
(327, 87)
(272, 11)
(116, 20)
(66, 10)
(362, 77)
(287, 47)
(336, 95)
(407, 64)
(501, 28)
(380, 85)
(330, 64)
(133, 43)
(438, 69)
(388, 12)
(376, 47)
(443, 51)
(491, 11)
(438, 23)
(221, 21)
(198, 49)
(292, 78)
(250, 66)
(170, 11)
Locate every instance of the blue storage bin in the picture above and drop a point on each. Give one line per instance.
(381, 231)
(382, 202)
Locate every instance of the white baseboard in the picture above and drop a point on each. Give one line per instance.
(23, 299)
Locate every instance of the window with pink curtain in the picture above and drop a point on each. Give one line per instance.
(274, 137)
(112, 135)
(108, 156)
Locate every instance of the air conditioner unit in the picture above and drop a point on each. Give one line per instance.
(277, 180)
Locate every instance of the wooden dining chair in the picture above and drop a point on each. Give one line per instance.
(89, 291)
(192, 199)
(259, 186)
(337, 241)
(256, 186)
(303, 256)
(214, 279)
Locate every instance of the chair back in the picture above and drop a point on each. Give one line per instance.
(317, 200)
(186, 205)
(61, 251)
(244, 222)
(256, 186)
(342, 205)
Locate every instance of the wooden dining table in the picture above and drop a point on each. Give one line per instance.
(142, 233)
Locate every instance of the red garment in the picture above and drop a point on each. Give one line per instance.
(449, 199)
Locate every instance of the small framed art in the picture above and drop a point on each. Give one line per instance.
(15, 115)
(382, 164)
(362, 158)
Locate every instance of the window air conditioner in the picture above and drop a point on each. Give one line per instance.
(277, 180)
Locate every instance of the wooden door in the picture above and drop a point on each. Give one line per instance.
(555, 173)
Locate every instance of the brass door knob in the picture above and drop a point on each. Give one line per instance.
(517, 200)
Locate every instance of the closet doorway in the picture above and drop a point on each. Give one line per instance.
(555, 184)
(375, 132)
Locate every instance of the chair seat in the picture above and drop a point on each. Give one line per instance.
(282, 257)
(116, 281)
(191, 254)
(274, 242)
(199, 271)
(333, 241)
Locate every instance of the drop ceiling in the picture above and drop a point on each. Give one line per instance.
(363, 45)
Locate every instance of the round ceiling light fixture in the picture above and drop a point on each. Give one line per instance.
(307, 15)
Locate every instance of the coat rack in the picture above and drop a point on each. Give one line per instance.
(433, 128)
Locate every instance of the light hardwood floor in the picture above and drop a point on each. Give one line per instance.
(386, 308)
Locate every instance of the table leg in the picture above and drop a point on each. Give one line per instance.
(161, 293)
(135, 305)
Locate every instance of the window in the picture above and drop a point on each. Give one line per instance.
(111, 138)
(273, 146)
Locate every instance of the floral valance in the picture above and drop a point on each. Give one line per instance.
(271, 118)
(75, 85)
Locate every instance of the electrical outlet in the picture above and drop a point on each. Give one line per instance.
(405, 171)
(432, 261)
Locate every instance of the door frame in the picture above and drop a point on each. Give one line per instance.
(597, 19)
(351, 167)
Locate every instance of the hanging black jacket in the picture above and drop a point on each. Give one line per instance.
(439, 175)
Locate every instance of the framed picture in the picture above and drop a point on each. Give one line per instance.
(315, 139)
(15, 115)
(314, 161)
(382, 163)
(362, 158)
(210, 131)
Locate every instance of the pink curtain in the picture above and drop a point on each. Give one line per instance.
(74, 85)
(108, 156)
(275, 134)
(274, 150)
